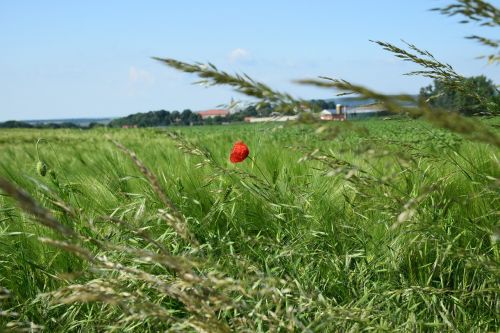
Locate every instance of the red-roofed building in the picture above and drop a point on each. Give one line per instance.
(213, 113)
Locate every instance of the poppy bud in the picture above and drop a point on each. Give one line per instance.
(41, 168)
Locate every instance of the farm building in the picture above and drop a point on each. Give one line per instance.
(213, 113)
(268, 119)
(338, 114)
(343, 112)
(365, 111)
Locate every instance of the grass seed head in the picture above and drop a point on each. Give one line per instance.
(41, 168)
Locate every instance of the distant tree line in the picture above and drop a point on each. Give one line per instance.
(22, 124)
(158, 118)
(439, 95)
(169, 118)
(188, 117)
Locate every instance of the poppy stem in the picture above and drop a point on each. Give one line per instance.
(262, 173)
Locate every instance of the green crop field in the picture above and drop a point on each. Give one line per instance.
(376, 225)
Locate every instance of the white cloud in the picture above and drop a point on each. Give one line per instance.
(140, 82)
(139, 76)
(239, 55)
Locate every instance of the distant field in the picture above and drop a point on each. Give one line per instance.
(367, 226)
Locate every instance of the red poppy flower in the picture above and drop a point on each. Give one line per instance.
(239, 153)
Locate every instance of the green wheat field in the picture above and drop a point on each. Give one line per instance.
(376, 225)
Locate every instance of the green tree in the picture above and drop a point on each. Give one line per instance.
(321, 104)
(186, 116)
(175, 117)
(195, 118)
(442, 95)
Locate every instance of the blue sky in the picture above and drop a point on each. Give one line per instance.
(67, 59)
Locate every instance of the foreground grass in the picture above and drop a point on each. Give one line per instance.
(377, 226)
